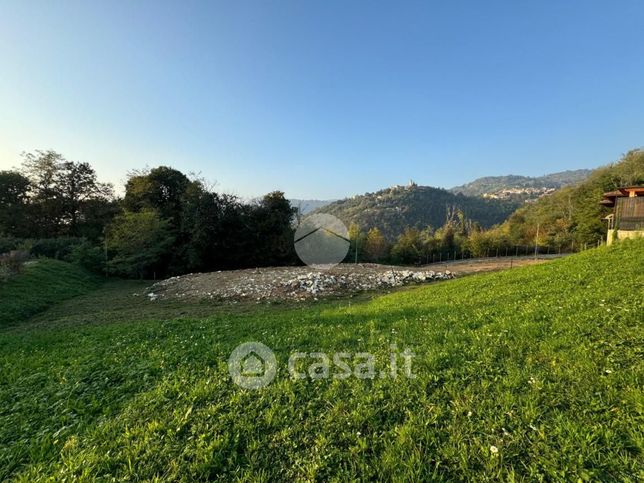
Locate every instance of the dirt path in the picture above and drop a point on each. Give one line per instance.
(475, 265)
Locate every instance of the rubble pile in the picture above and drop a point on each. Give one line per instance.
(289, 283)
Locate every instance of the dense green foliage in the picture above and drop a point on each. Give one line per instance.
(166, 224)
(532, 374)
(139, 241)
(53, 197)
(394, 209)
(567, 220)
(573, 214)
(492, 184)
(41, 284)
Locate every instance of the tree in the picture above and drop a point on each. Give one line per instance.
(428, 243)
(172, 195)
(408, 247)
(40, 167)
(480, 244)
(162, 189)
(357, 241)
(138, 243)
(14, 190)
(76, 185)
(61, 191)
(272, 222)
(216, 231)
(375, 245)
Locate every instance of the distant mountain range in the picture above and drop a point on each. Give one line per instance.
(520, 188)
(488, 201)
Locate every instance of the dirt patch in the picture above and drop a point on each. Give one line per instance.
(475, 265)
(306, 283)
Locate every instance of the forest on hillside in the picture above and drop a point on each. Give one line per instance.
(395, 209)
(168, 223)
(568, 220)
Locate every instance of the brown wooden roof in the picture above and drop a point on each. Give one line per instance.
(610, 196)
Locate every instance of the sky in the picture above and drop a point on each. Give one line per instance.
(323, 99)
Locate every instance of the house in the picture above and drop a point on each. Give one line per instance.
(627, 218)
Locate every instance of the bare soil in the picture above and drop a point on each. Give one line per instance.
(306, 283)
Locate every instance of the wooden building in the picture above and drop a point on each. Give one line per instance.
(627, 218)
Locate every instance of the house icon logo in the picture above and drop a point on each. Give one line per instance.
(252, 365)
(321, 241)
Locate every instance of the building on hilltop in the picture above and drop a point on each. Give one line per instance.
(627, 218)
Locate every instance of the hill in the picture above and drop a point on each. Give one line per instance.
(393, 209)
(43, 283)
(523, 188)
(573, 213)
(528, 374)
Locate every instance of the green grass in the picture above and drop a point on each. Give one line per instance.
(545, 363)
(43, 283)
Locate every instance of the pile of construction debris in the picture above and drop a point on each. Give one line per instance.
(289, 283)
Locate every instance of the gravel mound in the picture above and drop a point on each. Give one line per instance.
(289, 283)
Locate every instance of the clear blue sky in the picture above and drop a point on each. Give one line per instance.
(323, 99)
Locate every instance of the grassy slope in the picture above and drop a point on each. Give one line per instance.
(42, 284)
(545, 363)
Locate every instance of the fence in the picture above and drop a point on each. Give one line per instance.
(514, 251)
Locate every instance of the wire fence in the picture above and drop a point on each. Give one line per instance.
(514, 251)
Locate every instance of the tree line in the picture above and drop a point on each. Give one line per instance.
(167, 223)
(457, 236)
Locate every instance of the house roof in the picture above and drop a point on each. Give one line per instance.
(610, 196)
(616, 193)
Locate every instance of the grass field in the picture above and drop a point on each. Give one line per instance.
(43, 283)
(535, 373)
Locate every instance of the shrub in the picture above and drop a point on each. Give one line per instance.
(8, 243)
(11, 263)
(88, 256)
(58, 248)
